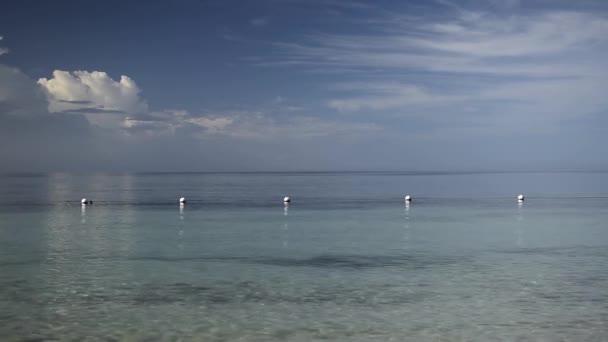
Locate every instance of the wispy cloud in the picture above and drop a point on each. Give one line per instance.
(467, 44)
(247, 125)
(387, 95)
(507, 66)
(259, 126)
(257, 22)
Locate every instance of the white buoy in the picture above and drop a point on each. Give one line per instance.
(85, 201)
(182, 200)
(408, 198)
(286, 199)
(520, 198)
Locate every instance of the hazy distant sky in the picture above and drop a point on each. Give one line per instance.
(303, 85)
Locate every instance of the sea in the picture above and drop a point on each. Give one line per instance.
(345, 260)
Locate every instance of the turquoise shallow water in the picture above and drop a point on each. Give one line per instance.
(345, 261)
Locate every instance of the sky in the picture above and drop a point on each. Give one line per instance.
(303, 85)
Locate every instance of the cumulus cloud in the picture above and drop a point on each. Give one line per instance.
(32, 138)
(102, 100)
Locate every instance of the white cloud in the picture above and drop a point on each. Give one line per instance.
(102, 100)
(471, 42)
(213, 124)
(258, 126)
(517, 36)
(514, 67)
(168, 121)
(387, 95)
(31, 138)
(247, 125)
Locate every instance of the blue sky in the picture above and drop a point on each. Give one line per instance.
(303, 85)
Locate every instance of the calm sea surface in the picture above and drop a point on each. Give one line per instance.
(345, 261)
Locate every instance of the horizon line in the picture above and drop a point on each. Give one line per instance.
(379, 172)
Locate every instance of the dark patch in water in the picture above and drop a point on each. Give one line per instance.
(560, 250)
(21, 262)
(331, 261)
(221, 293)
(360, 261)
(247, 292)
